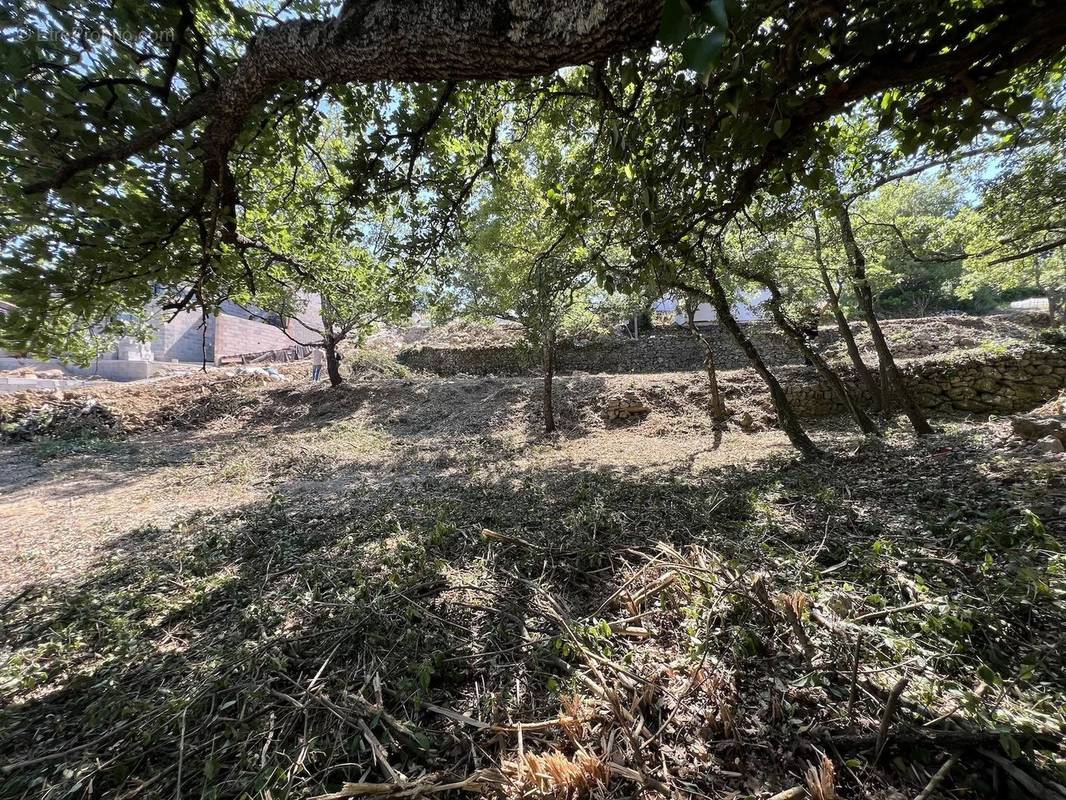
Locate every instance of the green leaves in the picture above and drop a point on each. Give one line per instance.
(702, 36)
(1010, 746)
(701, 54)
(676, 22)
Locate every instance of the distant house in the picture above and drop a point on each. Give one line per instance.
(189, 337)
(746, 309)
(1030, 304)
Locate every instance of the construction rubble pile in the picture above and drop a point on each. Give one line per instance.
(262, 373)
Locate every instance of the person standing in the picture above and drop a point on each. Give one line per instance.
(317, 359)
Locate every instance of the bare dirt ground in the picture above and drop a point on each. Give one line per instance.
(210, 441)
(231, 588)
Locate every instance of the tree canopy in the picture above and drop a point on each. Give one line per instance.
(132, 133)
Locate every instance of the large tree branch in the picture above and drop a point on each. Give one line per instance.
(195, 109)
(1026, 32)
(374, 40)
(954, 158)
(1047, 247)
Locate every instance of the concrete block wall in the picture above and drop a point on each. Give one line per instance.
(183, 339)
(308, 321)
(186, 337)
(235, 336)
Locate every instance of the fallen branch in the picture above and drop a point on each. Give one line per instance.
(946, 740)
(1023, 778)
(937, 779)
(652, 591)
(527, 727)
(889, 716)
(488, 533)
(378, 750)
(406, 789)
(873, 615)
(853, 692)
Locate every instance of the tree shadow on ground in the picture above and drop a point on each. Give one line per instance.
(290, 645)
(405, 407)
(67, 468)
(410, 412)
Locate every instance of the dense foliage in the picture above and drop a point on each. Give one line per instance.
(131, 133)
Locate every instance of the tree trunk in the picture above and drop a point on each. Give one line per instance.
(718, 412)
(548, 364)
(862, 419)
(892, 378)
(333, 362)
(873, 390)
(786, 416)
(1054, 306)
(872, 387)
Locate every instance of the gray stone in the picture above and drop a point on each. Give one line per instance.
(1033, 429)
(975, 406)
(959, 392)
(1049, 444)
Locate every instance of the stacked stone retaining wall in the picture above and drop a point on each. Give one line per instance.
(1017, 379)
(660, 352)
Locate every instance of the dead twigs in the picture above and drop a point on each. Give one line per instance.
(937, 779)
(889, 716)
(1037, 789)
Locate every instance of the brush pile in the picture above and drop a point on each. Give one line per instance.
(60, 417)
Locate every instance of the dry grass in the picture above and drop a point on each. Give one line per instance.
(821, 780)
(313, 607)
(555, 775)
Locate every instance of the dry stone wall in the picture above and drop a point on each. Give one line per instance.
(667, 351)
(1014, 379)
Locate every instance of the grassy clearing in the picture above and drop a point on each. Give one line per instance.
(388, 610)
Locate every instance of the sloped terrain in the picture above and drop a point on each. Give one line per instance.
(247, 588)
(925, 336)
